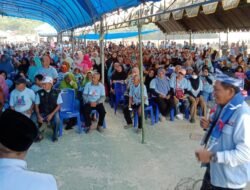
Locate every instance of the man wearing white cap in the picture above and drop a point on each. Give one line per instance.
(47, 105)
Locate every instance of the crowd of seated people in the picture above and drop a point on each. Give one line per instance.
(178, 80)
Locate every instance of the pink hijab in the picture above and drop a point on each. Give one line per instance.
(4, 87)
(86, 64)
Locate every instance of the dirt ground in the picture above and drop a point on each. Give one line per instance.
(116, 159)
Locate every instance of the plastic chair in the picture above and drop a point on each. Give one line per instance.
(119, 89)
(156, 108)
(67, 109)
(148, 109)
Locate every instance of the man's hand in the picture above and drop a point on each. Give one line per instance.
(40, 119)
(49, 117)
(204, 123)
(93, 104)
(167, 97)
(162, 96)
(203, 156)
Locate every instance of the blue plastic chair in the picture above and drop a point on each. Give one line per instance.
(119, 89)
(67, 109)
(148, 109)
(156, 109)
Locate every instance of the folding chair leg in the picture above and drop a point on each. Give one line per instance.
(79, 126)
(60, 128)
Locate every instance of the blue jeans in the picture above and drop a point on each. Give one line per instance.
(55, 122)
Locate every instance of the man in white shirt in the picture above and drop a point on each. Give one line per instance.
(22, 98)
(16, 136)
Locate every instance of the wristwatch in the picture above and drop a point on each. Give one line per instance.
(214, 157)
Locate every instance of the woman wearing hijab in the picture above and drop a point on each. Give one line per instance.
(35, 64)
(4, 87)
(24, 66)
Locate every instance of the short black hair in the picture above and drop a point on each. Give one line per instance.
(39, 77)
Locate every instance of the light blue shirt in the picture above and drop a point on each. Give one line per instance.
(183, 84)
(209, 88)
(232, 169)
(15, 176)
(35, 88)
(51, 72)
(135, 93)
(92, 93)
(58, 101)
(22, 101)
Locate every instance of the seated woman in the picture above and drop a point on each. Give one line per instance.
(2, 101)
(4, 87)
(195, 98)
(118, 76)
(160, 89)
(69, 81)
(179, 87)
(207, 80)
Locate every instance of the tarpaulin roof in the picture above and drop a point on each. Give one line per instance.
(64, 14)
(210, 17)
(111, 36)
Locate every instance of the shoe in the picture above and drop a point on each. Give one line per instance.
(86, 129)
(128, 126)
(38, 138)
(54, 139)
(99, 129)
(192, 120)
(138, 130)
(180, 116)
(162, 118)
(68, 127)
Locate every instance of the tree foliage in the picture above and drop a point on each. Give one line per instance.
(19, 25)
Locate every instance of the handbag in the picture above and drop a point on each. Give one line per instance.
(179, 93)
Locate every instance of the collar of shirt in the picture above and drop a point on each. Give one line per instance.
(9, 162)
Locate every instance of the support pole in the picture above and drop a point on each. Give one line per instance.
(141, 79)
(102, 49)
(219, 44)
(73, 41)
(190, 38)
(228, 37)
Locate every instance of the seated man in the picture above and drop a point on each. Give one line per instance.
(135, 102)
(22, 98)
(94, 96)
(48, 102)
(38, 83)
(17, 133)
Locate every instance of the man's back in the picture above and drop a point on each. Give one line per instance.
(15, 176)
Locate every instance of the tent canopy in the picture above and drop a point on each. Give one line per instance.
(64, 14)
(210, 17)
(111, 36)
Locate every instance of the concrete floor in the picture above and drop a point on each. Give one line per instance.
(116, 159)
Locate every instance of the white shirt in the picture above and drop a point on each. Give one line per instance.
(22, 101)
(15, 176)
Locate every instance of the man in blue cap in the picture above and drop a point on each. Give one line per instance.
(227, 141)
(17, 133)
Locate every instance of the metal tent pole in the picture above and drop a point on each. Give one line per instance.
(102, 48)
(219, 44)
(72, 41)
(141, 78)
(190, 38)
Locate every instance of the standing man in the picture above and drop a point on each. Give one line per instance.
(17, 133)
(227, 142)
(94, 96)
